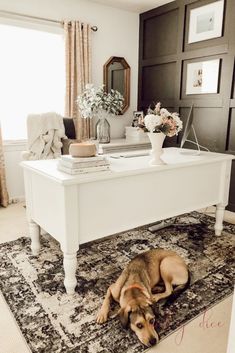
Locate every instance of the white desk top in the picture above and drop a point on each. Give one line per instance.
(126, 166)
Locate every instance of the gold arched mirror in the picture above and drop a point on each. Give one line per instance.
(117, 76)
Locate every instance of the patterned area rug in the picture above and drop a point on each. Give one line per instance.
(52, 322)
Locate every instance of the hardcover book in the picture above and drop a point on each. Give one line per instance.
(74, 171)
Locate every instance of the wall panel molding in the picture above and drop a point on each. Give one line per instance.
(217, 109)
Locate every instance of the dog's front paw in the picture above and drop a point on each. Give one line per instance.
(102, 317)
(156, 298)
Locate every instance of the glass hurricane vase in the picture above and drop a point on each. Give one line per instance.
(102, 128)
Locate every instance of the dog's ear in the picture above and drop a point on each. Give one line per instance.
(124, 316)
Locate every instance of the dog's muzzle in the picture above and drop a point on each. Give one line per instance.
(152, 341)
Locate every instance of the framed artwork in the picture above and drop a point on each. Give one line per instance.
(138, 116)
(202, 77)
(206, 22)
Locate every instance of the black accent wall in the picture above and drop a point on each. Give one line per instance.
(163, 56)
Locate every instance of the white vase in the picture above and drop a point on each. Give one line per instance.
(156, 139)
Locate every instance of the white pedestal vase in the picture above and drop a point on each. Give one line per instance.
(156, 139)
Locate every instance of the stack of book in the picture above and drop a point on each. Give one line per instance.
(123, 145)
(76, 165)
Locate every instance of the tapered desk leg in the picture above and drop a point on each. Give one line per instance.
(70, 266)
(219, 216)
(34, 232)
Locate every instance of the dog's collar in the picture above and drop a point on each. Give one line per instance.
(135, 285)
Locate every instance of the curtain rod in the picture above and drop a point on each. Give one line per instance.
(94, 28)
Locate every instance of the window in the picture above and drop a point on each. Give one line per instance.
(32, 77)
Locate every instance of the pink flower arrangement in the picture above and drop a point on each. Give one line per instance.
(161, 120)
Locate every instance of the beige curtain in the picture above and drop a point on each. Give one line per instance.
(78, 73)
(4, 199)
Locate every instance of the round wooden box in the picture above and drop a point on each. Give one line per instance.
(82, 149)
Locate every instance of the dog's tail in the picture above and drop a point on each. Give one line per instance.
(178, 290)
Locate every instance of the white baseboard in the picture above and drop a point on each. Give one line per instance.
(17, 199)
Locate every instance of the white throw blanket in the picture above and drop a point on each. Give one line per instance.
(45, 132)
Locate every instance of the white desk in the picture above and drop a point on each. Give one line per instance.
(78, 209)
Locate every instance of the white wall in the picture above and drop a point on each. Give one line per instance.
(117, 35)
(14, 173)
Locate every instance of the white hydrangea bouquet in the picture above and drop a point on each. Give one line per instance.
(160, 120)
(96, 99)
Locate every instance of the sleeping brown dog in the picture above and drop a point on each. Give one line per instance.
(135, 287)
